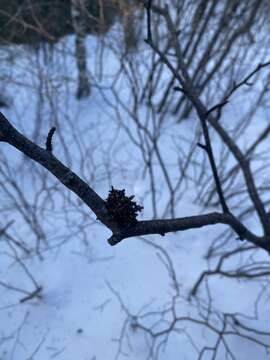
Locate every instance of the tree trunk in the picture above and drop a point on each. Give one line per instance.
(78, 21)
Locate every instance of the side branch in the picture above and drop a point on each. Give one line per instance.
(163, 226)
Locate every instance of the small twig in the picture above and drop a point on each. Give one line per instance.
(35, 293)
(202, 146)
(180, 89)
(235, 87)
(245, 81)
(4, 229)
(49, 139)
(217, 107)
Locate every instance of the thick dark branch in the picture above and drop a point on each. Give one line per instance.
(161, 227)
(45, 158)
(10, 135)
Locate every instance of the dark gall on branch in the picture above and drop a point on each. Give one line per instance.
(121, 208)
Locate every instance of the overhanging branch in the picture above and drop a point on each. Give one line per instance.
(73, 182)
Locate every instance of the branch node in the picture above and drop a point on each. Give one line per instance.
(216, 107)
(240, 238)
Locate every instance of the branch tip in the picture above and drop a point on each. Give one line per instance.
(49, 139)
(114, 240)
(202, 146)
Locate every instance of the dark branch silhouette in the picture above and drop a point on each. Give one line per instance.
(73, 182)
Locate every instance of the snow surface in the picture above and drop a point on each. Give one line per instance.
(80, 315)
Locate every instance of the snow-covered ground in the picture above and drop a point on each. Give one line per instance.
(88, 287)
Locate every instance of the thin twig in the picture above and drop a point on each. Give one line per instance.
(49, 139)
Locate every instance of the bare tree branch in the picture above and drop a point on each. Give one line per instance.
(73, 182)
(203, 113)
